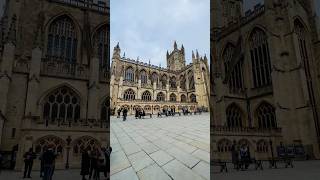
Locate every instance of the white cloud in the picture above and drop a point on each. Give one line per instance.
(147, 28)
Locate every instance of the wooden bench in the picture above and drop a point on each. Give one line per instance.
(273, 162)
(221, 164)
(257, 164)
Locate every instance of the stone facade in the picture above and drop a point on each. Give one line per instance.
(54, 77)
(265, 77)
(135, 84)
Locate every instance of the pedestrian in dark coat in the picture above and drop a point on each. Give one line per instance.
(125, 111)
(28, 163)
(85, 164)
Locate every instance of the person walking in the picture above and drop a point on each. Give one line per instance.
(235, 155)
(28, 163)
(93, 163)
(136, 113)
(125, 111)
(119, 113)
(99, 161)
(48, 159)
(41, 163)
(85, 164)
(107, 154)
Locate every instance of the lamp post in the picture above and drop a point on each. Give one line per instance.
(68, 151)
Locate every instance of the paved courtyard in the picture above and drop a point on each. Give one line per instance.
(161, 148)
(303, 170)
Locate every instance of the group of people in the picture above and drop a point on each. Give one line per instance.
(47, 163)
(94, 162)
(139, 113)
(240, 156)
(124, 113)
(167, 112)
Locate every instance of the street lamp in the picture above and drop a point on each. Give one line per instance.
(68, 151)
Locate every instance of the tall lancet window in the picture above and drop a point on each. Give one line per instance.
(102, 46)
(129, 75)
(62, 40)
(227, 57)
(260, 59)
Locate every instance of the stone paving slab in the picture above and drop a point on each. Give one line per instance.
(153, 172)
(162, 148)
(180, 172)
(303, 170)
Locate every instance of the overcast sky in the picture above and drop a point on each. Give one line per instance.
(148, 28)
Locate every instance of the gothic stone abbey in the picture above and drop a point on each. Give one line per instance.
(54, 71)
(135, 84)
(266, 77)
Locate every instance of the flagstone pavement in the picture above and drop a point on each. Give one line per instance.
(161, 148)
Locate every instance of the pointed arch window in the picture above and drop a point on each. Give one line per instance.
(63, 105)
(234, 116)
(160, 96)
(191, 81)
(62, 40)
(129, 94)
(164, 81)
(173, 82)
(103, 49)
(183, 98)
(129, 75)
(266, 116)
(193, 98)
(154, 78)
(183, 82)
(143, 77)
(146, 96)
(260, 59)
(173, 97)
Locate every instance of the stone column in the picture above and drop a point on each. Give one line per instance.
(93, 87)
(33, 83)
(6, 74)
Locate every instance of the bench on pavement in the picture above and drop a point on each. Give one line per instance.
(221, 164)
(287, 161)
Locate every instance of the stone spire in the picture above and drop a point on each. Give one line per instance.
(182, 49)
(192, 54)
(167, 54)
(197, 54)
(175, 46)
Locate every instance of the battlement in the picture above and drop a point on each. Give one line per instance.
(100, 6)
(249, 16)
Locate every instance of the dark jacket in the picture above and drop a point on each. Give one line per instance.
(85, 164)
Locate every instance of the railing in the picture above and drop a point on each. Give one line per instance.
(249, 15)
(146, 85)
(245, 130)
(129, 83)
(99, 6)
(64, 69)
(81, 123)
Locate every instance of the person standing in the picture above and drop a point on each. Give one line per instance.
(235, 155)
(28, 163)
(41, 163)
(85, 164)
(119, 113)
(48, 159)
(125, 111)
(93, 163)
